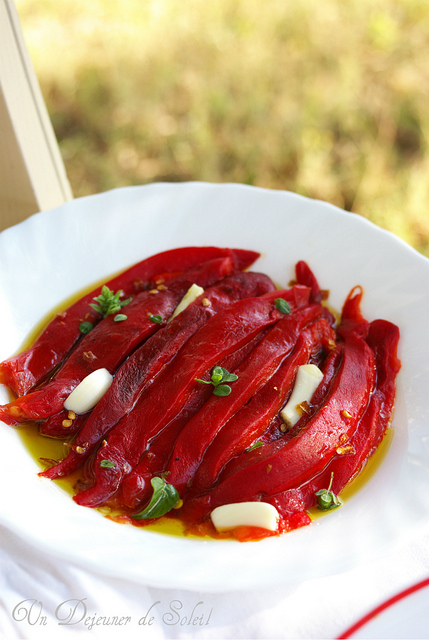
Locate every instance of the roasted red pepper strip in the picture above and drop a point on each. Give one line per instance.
(250, 423)
(144, 364)
(53, 426)
(142, 367)
(328, 363)
(110, 342)
(383, 339)
(276, 467)
(306, 277)
(135, 487)
(351, 316)
(61, 425)
(252, 375)
(227, 331)
(24, 371)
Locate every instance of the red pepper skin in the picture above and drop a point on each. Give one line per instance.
(250, 423)
(252, 375)
(277, 467)
(227, 331)
(22, 372)
(54, 426)
(306, 277)
(383, 338)
(110, 342)
(328, 363)
(135, 487)
(142, 367)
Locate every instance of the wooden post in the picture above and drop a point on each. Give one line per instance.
(32, 173)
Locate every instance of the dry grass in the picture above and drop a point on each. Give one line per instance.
(328, 99)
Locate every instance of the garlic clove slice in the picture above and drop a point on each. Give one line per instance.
(308, 378)
(252, 514)
(194, 292)
(89, 391)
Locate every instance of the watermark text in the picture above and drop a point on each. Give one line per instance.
(75, 612)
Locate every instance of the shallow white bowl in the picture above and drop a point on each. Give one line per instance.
(56, 253)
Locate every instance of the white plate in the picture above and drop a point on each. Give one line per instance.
(55, 253)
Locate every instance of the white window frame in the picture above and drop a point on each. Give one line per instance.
(32, 172)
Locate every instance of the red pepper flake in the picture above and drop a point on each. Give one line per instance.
(324, 293)
(67, 422)
(62, 314)
(153, 291)
(346, 414)
(347, 450)
(268, 468)
(89, 356)
(206, 302)
(161, 287)
(303, 408)
(140, 285)
(49, 461)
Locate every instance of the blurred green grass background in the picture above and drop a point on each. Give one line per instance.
(328, 98)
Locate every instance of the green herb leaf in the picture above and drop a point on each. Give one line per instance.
(326, 499)
(282, 305)
(255, 445)
(203, 381)
(107, 464)
(164, 498)
(108, 303)
(155, 318)
(229, 377)
(219, 376)
(225, 375)
(86, 327)
(120, 317)
(222, 390)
